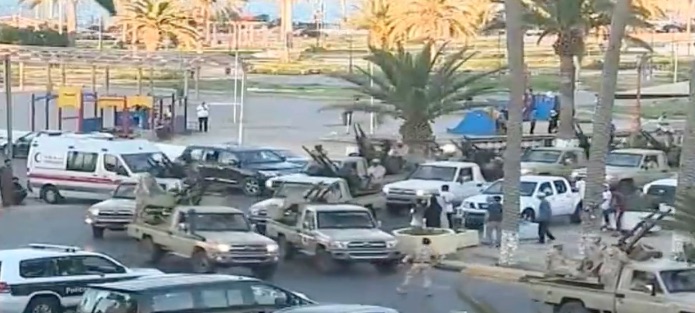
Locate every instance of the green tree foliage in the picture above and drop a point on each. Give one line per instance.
(30, 36)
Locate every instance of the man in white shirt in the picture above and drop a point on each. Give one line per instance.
(203, 113)
(376, 172)
(606, 208)
(446, 200)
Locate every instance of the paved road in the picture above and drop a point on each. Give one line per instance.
(36, 222)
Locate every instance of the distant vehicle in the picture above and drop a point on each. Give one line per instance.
(668, 26)
(247, 168)
(171, 293)
(312, 33)
(554, 161)
(50, 278)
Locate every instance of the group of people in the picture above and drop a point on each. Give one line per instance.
(493, 223)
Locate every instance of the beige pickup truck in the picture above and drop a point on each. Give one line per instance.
(633, 168)
(209, 236)
(660, 285)
(333, 235)
(553, 161)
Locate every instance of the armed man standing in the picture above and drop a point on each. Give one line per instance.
(421, 262)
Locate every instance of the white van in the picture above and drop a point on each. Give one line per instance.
(88, 168)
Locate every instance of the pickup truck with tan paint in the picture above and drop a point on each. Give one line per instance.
(333, 235)
(660, 285)
(208, 236)
(632, 168)
(554, 161)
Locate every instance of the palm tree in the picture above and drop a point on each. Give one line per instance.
(376, 16)
(71, 13)
(603, 114)
(512, 154)
(207, 9)
(155, 20)
(570, 21)
(413, 88)
(431, 21)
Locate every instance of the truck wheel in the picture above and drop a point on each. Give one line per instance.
(387, 267)
(200, 263)
(264, 272)
(44, 304)
(528, 214)
(252, 187)
(572, 307)
(50, 194)
(286, 250)
(152, 250)
(97, 232)
(324, 261)
(576, 217)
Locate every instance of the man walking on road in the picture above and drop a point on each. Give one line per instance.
(422, 261)
(203, 113)
(494, 221)
(545, 212)
(447, 202)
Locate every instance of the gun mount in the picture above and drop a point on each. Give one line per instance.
(601, 260)
(149, 194)
(582, 138)
(372, 148)
(668, 146)
(489, 160)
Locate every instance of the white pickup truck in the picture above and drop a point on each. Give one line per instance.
(464, 179)
(564, 200)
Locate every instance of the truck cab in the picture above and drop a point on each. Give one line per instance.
(294, 187)
(333, 235)
(209, 236)
(632, 168)
(464, 179)
(651, 286)
(556, 161)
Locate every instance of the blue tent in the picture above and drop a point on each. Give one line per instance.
(475, 123)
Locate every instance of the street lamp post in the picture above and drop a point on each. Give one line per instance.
(637, 113)
(8, 104)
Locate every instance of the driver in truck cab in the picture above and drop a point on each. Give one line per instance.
(376, 172)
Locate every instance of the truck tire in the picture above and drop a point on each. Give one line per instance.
(324, 262)
(576, 217)
(151, 250)
(572, 306)
(528, 214)
(97, 232)
(200, 263)
(287, 252)
(44, 304)
(50, 194)
(387, 267)
(264, 272)
(252, 187)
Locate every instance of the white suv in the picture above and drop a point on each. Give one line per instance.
(49, 278)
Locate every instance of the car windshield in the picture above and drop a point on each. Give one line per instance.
(526, 189)
(125, 191)
(344, 220)
(221, 222)
(150, 162)
(665, 194)
(259, 156)
(679, 280)
(291, 189)
(431, 172)
(105, 301)
(620, 159)
(541, 156)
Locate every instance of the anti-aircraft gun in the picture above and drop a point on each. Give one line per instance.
(370, 149)
(582, 138)
(490, 163)
(352, 169)
(673, 151)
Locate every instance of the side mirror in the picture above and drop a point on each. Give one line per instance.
(182, 227)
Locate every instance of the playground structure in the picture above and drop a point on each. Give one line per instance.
(95, 107)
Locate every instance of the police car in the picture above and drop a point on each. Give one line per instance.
(48, 278)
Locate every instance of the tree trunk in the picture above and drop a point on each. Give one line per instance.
(596, 171)
(567, 84)
(512, 154)
(206, 20)
(416, 133)
(71, 16)
(686, 175)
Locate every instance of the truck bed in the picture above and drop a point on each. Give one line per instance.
(564, 282)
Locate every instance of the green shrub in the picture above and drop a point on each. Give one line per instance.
(32, 37)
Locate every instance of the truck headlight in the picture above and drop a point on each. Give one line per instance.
(339, 244)
(272, 248)
(467, 205)
(223, 247)
(391, 244)
(386, 189)
(420, 193)
(93, 211)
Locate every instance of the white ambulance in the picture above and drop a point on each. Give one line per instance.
(61, 168)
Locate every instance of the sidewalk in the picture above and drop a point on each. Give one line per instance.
(530, 256)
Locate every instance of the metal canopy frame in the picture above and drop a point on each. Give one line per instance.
(172, 60)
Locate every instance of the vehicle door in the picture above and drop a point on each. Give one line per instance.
(569, 162)
(85, 179)
(464, 184)
(229, 168)
(113, 168)
(179, 237)
(307, 231)
(21, 146)
(564, 199)
(637, 296)
(550, 195)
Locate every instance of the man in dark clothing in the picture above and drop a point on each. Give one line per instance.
(494, 220)
(545, 212)
(618, 204)
(433, 214)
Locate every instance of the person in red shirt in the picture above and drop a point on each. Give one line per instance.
(618, 204)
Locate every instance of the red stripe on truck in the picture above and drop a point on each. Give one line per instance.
(75, 179)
